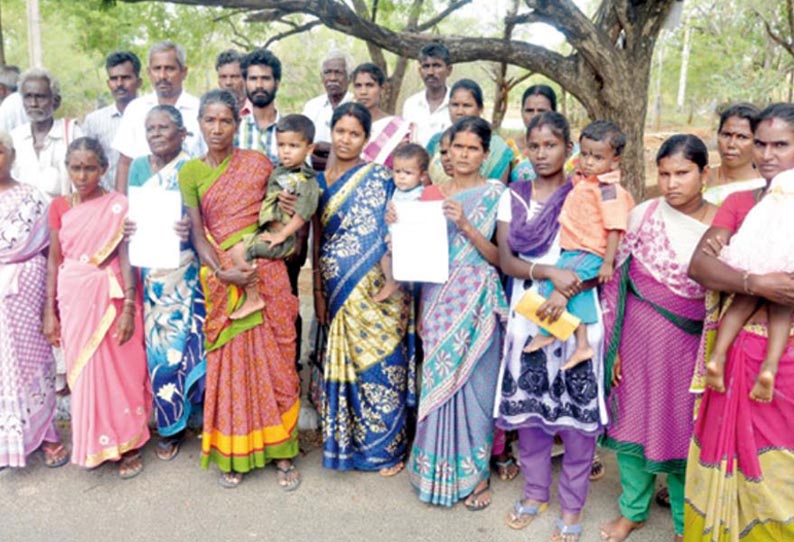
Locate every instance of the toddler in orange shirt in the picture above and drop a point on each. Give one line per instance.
(593, 218)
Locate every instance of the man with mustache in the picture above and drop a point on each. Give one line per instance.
(429, 109)
(41, 143)
(124, 80)
(261, 73)
(335, 71)
(230, 77)
(167, 71)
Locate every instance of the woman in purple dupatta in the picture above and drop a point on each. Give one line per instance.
(535, 397)
(27, 367)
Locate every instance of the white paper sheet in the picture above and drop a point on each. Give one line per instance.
(155, 244)
(420, 250)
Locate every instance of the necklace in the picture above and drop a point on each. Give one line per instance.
(77, 200)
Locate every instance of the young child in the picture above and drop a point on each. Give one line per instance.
(410, 176)
(593, 217)
(762, 245)
(275, 238)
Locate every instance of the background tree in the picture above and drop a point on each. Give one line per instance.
(608, 70)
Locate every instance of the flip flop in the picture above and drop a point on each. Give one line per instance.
(564, 530)
(597, 469)
(127, 468)
(52, 456)
(663, 497)
(168, 447)
(478, 505)
(522, 514)
(230, 480)
(503, 469)
(289, 486)
(394, 470)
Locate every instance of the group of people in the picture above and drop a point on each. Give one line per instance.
(652, 370)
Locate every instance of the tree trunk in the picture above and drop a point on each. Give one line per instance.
(501, 96)
(2, 44)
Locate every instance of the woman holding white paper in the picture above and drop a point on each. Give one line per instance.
(173, 302)
(461, 328)
(535, 397)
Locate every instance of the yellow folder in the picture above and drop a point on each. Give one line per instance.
(563, 328)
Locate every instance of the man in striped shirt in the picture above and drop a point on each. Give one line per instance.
(124, 81)
(262, 74)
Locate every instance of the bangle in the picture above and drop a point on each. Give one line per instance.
(532, 271)
(129, 289)
(128, 301)
(746, 283)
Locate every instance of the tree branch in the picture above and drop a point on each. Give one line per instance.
(433, 21)
(775, 36)
(291, 32)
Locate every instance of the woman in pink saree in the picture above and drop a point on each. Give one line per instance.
(27, 368)
(97, 319)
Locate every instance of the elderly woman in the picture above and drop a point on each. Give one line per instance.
(97, 317)
(252, 394)
(738, 474)
(736, 170)
(388, 131)
(173, 303)
(465, 100)
(535, 397)
(368, 372)
(26, 363)
(656, 314)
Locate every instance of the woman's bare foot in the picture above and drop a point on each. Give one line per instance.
(714, 373)
(579, 355)
(251, 304)
(538, 341)
(764, 388)
(619, 529)
(386, 292)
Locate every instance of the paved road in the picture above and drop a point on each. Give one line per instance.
(177, 501)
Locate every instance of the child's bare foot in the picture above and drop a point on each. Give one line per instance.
(764, 387)
(714, 373)
(250, 306)
(582, 353)
(538, 341)
(386, 292)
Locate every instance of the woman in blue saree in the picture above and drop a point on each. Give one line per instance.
(368, 374)
(173, 299)
(461, 330)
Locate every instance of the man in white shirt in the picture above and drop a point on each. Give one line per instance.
(167, 71)
(124, 80)
(336, 69)
(41, 144)
(429, 109)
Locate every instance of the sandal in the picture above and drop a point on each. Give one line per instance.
(507, 469)
(131, 465)
(522, 514)
(54, 457)
(476, 505)
(663, 497)
(283, 478)
(597, 469)
(566, 533)
(230, 480)
(394, 470)
(168, 447)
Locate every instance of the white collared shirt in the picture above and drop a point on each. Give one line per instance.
(417, 110)
(130, 138)
(320, 111)
(102, 125)
(12, 112)
(47, 169)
